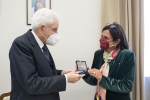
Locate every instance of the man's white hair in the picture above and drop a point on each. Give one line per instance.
(43, 16)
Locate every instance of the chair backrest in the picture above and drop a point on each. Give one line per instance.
(4, 95)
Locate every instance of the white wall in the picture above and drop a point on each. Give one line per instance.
(80, 32)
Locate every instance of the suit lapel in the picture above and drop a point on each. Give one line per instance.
(38, 50)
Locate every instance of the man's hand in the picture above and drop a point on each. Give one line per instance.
(65, 72)
(74, 76)
(95, 73)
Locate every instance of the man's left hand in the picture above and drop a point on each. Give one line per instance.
(65, 71)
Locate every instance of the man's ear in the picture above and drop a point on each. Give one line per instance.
(41, 28)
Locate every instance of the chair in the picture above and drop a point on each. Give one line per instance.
(5, 96)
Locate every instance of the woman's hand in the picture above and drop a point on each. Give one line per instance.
(95, 73)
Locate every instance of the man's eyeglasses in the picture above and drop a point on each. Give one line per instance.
(111, 25)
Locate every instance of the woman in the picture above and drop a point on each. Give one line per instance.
(113, 66)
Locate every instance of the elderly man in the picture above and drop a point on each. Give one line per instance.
(33, 72)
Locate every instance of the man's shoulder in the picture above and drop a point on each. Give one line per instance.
(21, 41)
(22, 38)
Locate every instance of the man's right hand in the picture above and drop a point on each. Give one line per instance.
(74, 76)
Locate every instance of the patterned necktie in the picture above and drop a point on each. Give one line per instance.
(46, 52)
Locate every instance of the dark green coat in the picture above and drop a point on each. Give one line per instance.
(119, 82)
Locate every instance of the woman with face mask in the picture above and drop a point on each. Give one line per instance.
(113, 67)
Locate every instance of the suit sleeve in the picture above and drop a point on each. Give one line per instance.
(123, 85)
(24, 70)
(59, 72)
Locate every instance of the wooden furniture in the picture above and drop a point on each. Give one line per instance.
(4, 95)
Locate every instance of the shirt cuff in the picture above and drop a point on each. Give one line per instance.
(66, 79)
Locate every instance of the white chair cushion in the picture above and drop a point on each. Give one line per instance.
(6, 98)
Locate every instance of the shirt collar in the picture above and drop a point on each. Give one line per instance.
(40, 43)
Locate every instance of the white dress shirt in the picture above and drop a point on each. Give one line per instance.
(40, 43)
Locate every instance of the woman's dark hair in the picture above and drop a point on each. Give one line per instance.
(117, 32)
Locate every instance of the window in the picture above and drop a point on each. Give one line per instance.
(146, 49)
(146, 38)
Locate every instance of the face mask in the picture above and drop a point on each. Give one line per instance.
(104, 44)
(53, 39)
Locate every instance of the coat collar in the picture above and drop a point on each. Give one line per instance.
(38, 50)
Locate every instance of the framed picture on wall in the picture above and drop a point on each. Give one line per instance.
(34, 5)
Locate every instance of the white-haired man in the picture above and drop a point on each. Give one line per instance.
(33, 72)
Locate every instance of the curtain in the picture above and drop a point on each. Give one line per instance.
(129, 14)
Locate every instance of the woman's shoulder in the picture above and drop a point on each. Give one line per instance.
(99, 51)
(126, 52)
(122, 52)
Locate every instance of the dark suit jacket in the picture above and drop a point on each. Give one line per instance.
(32, 77)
